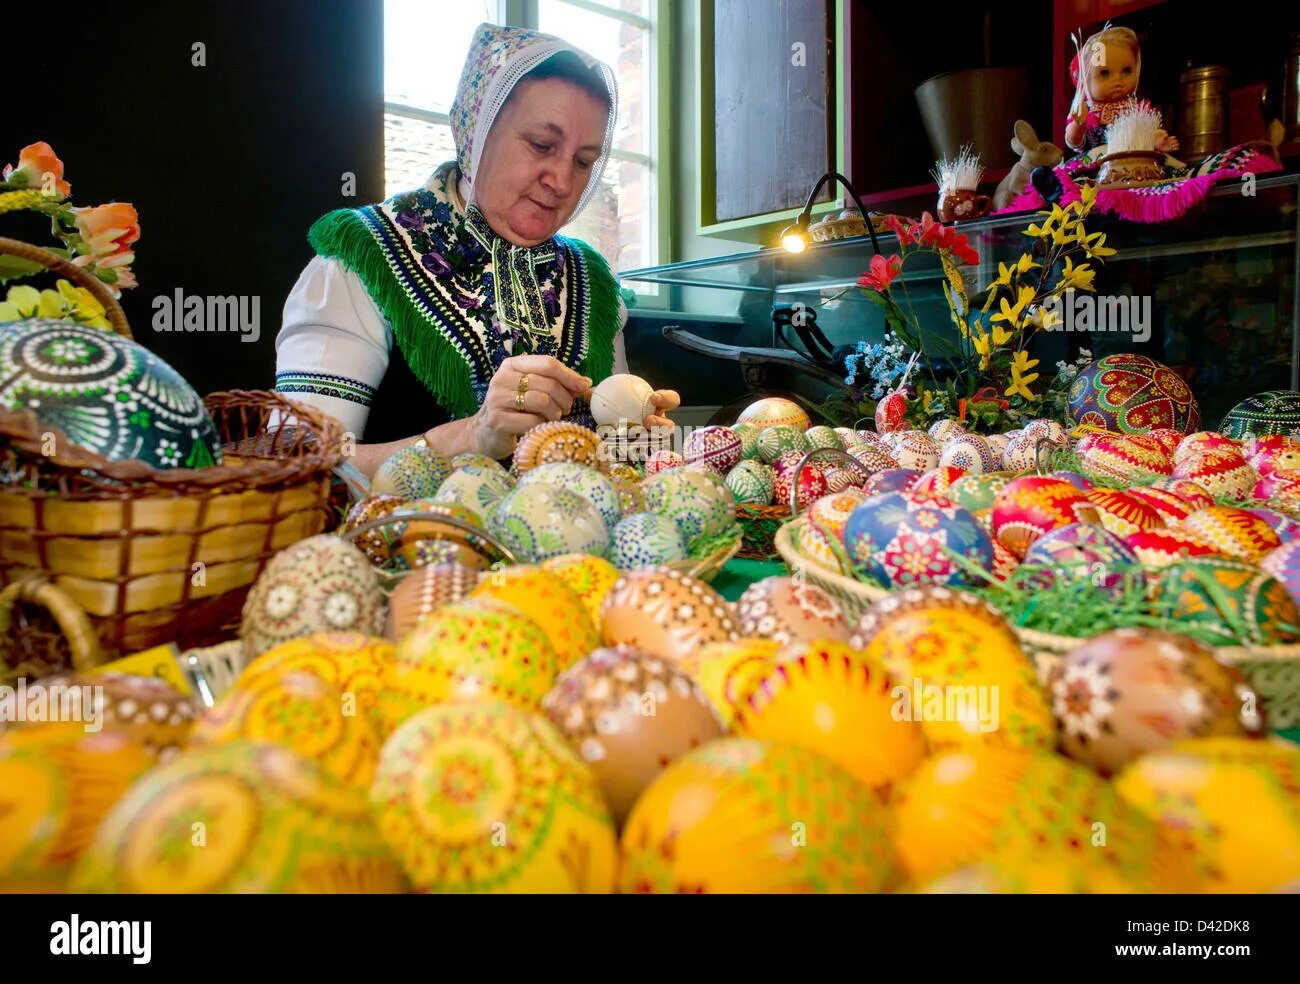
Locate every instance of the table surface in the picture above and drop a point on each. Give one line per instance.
(739, 574)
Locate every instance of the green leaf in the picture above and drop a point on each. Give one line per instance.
(12, 267)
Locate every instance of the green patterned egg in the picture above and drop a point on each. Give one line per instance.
(752, 483)
(776, 441)
(976, 492)
(581, 480)
(411, 472)
(476, 488)
(646, 540)
(1221, 600)
(748, 435)
(107, 394)
(700, 506)
(823, 437)
(537, 522)
(478, 460)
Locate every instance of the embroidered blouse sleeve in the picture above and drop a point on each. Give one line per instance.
(620, 350)
(332, 349)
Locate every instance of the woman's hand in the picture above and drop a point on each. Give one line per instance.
(1166, 143)
(500, 422)
(662, 401)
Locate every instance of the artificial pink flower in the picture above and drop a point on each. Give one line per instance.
(882, 272)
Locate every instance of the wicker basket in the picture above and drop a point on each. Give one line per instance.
(470, 538)
(759, 525)
(708, 567)
(152, 556)
(58, 266)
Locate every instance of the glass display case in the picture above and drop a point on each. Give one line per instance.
(1214, 295)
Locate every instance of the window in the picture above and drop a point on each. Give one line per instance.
(621, 221)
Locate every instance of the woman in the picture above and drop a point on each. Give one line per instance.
(455, 316)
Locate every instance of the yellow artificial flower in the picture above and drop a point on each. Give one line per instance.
(1042, 318)
(1049, 227)
(82, 306)
(982, 342)
(1011, 314)
(1076, 277)
(1095, 245)
(1001, 336)
(1017, 269)
(1087, 197)
(1020, 379)
(21, 302)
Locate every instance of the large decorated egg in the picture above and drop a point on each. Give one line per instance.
(1126, 459)
(412, 473)
(1271, 412)
(843, 479)
(1020, 454)
(774, 411)
(590, 578)
(805, 486)
(1194, 445)
(485, 797)
(977, 492)
(1084, 552)
(915, 449)
(776, 441)
(726, 671)
(1190, 492)
(1282, 484)
(831, 513)
(628, 715)
(471, 649)
(1231, 802)
(944, 429)
(700, 507)
(581, 480)
(1167, 438)
(646, 540)
(752, 483)
(966, 805)
(1234, 532)
(665, 459)
(147, 710)
(971, 453)
(823, 437)
(935, 483)
(786, 610)
(748, 434)
(729, 818)
(540, 521)
(476, 488)
(1121, 513)
(1132, 394)
(559, 440)
(239, 817)
(445, 533)
(1228, 602)
(320, 584)
(108, 394)
(927, 598)
(873, 459)
(788, 461)
(548, 602)
(1220, 473)
(891, 412)
(892, 480)
(1165, 546)
(630, 498)
(901, 542)
(664, 612)
(425, 589)
(1131, 691)
(1033, 505)
(718, 447)
(1046, 429)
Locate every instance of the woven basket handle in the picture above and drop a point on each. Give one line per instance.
(58, 265)
(71, 617)
(393, 519)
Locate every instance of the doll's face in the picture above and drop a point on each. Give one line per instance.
(1113, 73)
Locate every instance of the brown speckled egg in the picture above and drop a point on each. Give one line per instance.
(372, 543)
(1131, 691)
(422, 591)
(628, 715)
(664, 612)
(148, 710)
(786, 610)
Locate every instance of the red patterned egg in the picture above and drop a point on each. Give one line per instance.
(1234, 532)
(1168, 437)
(971, 453)
(1272, 452)
(1286, 528)
(1279, 484)
(1171, 508)
(936, 482)
(786, 610)
(899, 542)
(1202, 441)
(1220, 473)
(717, 447)
(1162, 547)
(1191, 493)
(830, 513)
(892, 480)
(890, 412)
(1121, 513)
(1127, 459)
(1004, 562)
(873, 458)
(1031, 506)
(661, 461)
(787, 461)
(915, 449)
(809, 487)
(821, 549)
(1132, 394)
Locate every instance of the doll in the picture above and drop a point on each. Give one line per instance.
(1105, 72)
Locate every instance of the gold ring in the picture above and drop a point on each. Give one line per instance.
(519, 400)
(523, 383)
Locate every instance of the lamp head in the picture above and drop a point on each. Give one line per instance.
(795, 237)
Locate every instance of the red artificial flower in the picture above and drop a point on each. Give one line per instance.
(899, 227)
(963, 251)
(929, 232)
(882, 272)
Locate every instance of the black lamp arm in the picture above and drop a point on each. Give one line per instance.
(866, 216)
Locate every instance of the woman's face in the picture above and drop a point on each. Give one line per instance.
(1114, 75)
(538, 158)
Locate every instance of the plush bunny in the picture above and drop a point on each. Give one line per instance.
(1033, 153)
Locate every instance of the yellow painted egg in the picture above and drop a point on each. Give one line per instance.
(300, 712)
(241, 817)
(961, 807)
(626, 471)
(746, 816)
(590, 578)
(419, 542)
(727, 671)
(831, 699)
(57, 783)
(1030, 871)
(964, 679)
(471, 649)
(1231, 802)
(815, 545)
(1234, 532)
(664, 612)
(424, 590)
(547, 600)
(485, 797)
(348, 661)
(775, 411)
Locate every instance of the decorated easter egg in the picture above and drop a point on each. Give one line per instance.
(629, 715)
(1190, 492)
(1126, 459)
(471, 649)
(1234, 532)
(630, 497)
(1165, 546)
(665, 459)
(891, 412)
(1131, 691)
(726, 671)
(786, 610)
(444, 533)
(873, 459)
(57, 783)
(558, 440)
(424, 590)
(1033, 505)
(373, 543)
(474, 459)
(1282, 485)
(823, 437)
(1167, 438)
(1132, 394)
(1046, 429)
(699, 506)
(1286, 527)
(412, 473)
(847, 435)
(774, 411)
(941, 431)
(776, 441)
(593, 486)
(1020, 454)
(998, 445)
(965, 805)
(1272, 452)
(1004, 561)
(970, 453)
(1220, 473)
(455, 778)
(621, 398)
(1198, 443)
(1231, 803)
(786, 463)
(1170, 508)
(901, 542)
(752, 483)
(148, 710)
(548, 602)
(540, 521)
(664, 612)
(1121, 513)
(320, 584)
(300, 712)
(831, 513)
(720, 820)
(476, 488)
(1270, 412)
(1083, 552)
(646, 540)
(892, 480)
(590, 578)
(108, 394)
(809, 486)
(748, 434)
(1218, 598)
(976, 493)
(936, 483)
(821, 548)
(960, 674)
(277, 824)
(915, 449)
(718, 447)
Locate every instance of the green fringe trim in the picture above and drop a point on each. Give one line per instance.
(602, 314)
(344, 235)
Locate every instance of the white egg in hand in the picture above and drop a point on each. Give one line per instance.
(621, 397)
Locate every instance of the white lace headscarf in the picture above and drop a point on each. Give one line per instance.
(499, 57)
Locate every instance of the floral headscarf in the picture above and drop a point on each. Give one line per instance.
(498, 58)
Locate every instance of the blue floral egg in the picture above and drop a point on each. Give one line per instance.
(107, 394)
(474, 487)
(411, 472)
(899, 542)
(646, 540)
(586, 482)
(699, 505)
(539, 521)
(1084, 552)
(893, 480)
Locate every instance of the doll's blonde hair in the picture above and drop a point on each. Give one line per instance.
(1093, 52)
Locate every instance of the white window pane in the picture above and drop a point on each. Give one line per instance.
(618, 220)
(425, 43)
(412, 150)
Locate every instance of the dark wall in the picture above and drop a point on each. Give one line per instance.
(227, 164)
